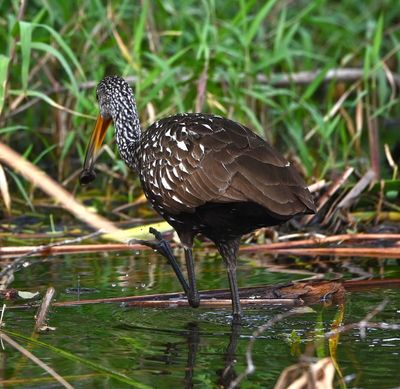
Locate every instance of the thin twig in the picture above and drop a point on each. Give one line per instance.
(373, 131)
(333, 188)
(354, 193)
(35, 359)
(201, 88)
(317, 186)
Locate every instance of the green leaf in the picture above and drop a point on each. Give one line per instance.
(367, 62)
(6, 130)
(280, 31)
(4, 61)
(22, 190)
(376, 46)
(25, 29)
(68, 142)
(316, 83)
(140, 29)
(255, 24)
(43, 153)
(63, 45)
(55, 53)
(48, 100)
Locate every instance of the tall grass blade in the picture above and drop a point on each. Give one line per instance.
(64, 46)
(50, 101)
(140, 29)
(25, 29)
(12, 129)
(377, 42)
(69, 141)
(312, 87)
(43, 153)
(55, 53)
(255, 24)
(22, 190)
(4, 61)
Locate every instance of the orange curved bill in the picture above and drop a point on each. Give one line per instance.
(96, 140)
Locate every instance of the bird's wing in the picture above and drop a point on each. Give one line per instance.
(213, 159)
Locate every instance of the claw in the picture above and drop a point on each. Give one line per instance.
(156, 233)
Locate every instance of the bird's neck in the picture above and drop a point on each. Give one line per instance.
(128, 133)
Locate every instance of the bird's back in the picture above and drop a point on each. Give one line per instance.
(191, 162)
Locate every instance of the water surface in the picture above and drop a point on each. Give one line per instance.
(184, 347)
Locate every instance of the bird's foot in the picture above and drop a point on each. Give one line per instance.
(236, 319)
(194, 299)
(160, 244)
(164, 248)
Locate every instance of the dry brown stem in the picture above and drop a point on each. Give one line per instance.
(40, 179)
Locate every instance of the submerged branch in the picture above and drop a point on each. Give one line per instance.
(294, 293)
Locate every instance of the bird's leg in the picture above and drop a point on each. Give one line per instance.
(164, 248)
(228, 250)
(186, 238)
(193, 295)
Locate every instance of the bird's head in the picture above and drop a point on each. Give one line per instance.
(115, 98)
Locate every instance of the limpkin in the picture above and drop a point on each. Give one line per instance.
(204, 174)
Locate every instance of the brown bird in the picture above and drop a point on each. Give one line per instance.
(204, 174)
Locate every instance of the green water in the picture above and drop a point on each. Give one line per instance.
(183, 347)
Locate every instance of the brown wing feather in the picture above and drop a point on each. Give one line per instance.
(198, 158)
